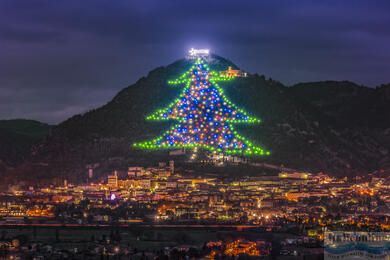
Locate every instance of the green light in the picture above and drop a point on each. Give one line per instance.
(201, 106)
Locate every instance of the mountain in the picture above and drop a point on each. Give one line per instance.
(335, 127)
(17, 137)
(360, 118)
(358, 106)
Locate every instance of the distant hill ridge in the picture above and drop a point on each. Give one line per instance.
(17, 136)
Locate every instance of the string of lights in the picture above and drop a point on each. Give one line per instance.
(205, 117)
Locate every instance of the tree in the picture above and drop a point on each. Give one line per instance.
(205, 117)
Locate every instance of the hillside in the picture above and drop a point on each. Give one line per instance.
(336, 127)
(17, 137)
(351, 104)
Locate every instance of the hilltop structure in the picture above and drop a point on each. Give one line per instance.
(233, 73)
(194, 54)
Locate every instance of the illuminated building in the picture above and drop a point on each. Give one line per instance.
(171, 185)
(135, 171)
(146, 183)
(233, 73)
(172, 166)
(90, 173)
(295, 175)
(243, 247)
(112, 180)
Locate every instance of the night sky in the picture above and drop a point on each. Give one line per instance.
(60, 58)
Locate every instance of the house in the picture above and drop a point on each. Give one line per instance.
(233, 73)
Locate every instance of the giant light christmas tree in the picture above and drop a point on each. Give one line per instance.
(205, 117)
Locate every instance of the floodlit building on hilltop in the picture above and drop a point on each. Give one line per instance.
(233, 73)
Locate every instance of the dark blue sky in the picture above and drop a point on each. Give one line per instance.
(59, 58)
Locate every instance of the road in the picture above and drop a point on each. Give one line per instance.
(141, 225)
